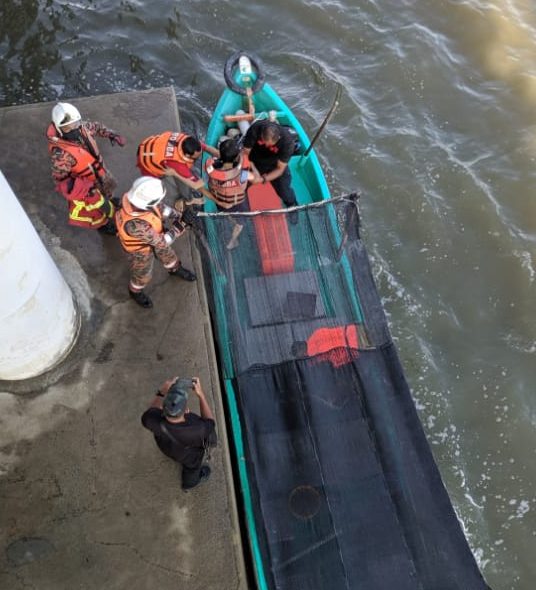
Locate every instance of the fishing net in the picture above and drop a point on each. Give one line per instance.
(339, 485)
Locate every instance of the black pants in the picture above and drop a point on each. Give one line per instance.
(190, 476)
(281, 185)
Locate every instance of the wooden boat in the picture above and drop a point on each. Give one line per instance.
(308, 178)
(338, 486)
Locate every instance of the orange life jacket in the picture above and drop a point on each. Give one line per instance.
(228, 185)
(337, 345)
(167, 146)
(87, 165)
(127, 213)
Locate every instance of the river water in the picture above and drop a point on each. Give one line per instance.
(436, 128)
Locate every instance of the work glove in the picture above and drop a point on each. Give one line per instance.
(173, 233)
(116, 139)
(178, 225)
(189, 217)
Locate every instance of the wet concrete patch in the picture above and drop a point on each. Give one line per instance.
(28, 549)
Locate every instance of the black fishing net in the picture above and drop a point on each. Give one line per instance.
(342, 486)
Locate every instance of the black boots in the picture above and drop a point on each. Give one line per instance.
(109, 229)
(293, 215)
(145, 301)
(141, 298)
(183, 273)
(204, 474)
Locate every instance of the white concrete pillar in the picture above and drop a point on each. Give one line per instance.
(38, 318)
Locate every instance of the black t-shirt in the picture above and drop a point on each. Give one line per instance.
(265, 158)
(190, 438)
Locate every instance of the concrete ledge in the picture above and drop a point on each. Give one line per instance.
(88, 501)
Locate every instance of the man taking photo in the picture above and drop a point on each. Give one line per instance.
(180, 434)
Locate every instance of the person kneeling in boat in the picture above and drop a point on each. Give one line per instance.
(228, 178)
(269, 147)
(174, 154)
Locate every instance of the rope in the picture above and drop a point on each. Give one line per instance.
(352, 197)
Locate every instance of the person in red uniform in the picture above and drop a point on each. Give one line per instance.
(140, 228)
(174, 154)
(78, 168)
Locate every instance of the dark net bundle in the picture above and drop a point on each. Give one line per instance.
(344, 491)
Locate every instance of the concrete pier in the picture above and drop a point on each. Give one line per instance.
(87, 501)
(38, 319)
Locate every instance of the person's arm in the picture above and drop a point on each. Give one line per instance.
(144, 231)
(196, 184)
(210, 150)
(96, 128)
(254, 176)
(193, 182)
(272, 175)
(276, 172)
(204, 408)
(158, 400)
(62, 164)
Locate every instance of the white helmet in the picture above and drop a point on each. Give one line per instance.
(146, 192)
(65, 114)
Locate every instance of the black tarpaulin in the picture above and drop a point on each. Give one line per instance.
(339, 478)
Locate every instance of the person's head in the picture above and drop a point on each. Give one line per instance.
(270, 134)
(146, 192)
(191, 147)
(229, 151)
(175, 401)
(66, 118)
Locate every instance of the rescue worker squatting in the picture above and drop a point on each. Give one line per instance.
(173, 154)
(78, 168)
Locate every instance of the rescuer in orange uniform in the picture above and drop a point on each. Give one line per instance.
(141, 231)
(174, 154)
(78, 168)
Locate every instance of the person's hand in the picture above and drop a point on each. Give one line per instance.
(189, 216)
(196, 386)
(175, 232)
(167, 384)
(116, 139)
(178, 226)
(257, 179)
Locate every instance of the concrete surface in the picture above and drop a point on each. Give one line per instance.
(86, 499)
